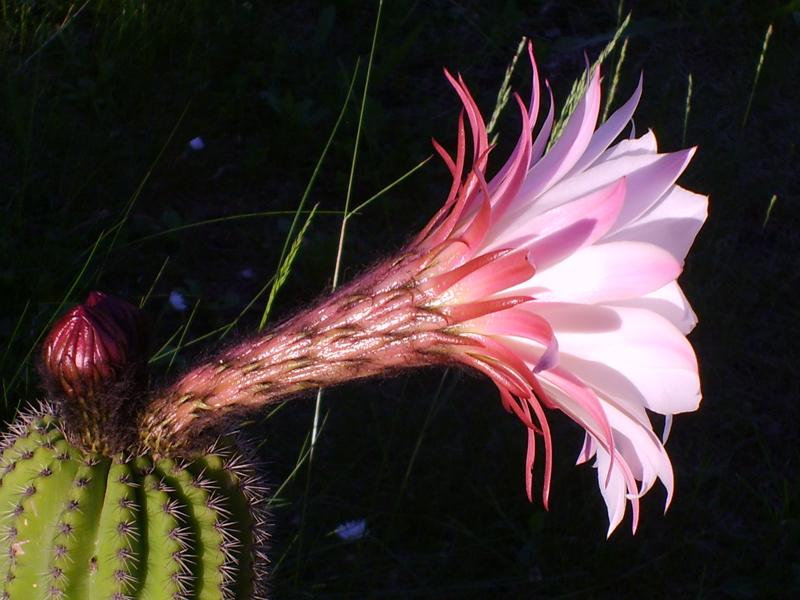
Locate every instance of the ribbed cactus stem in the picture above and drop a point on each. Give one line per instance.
(82, 526)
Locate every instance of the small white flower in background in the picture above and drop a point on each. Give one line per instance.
(197, 144)
(352, 530)
(247, 273)
(177, 300)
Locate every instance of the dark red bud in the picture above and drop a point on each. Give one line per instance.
(128, 318)
(93, 344)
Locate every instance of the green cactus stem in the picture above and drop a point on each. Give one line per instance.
(77, 525)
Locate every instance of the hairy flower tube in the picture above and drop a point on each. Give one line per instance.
(556, 278)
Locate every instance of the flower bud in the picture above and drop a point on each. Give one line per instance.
(94, 344)
(128, 318)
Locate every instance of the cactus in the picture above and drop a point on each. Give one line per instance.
(79, 525)
(112, 491)
(88, 513)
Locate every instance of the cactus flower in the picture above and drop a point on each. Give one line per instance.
(556, 278)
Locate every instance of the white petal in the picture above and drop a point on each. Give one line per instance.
(648, 177)
(669, 302)
(632, 356)
(642, 451)
(647, 144)
(608, 272)
(648, 185)
(672, 223)
(568, 227)
(615, 492)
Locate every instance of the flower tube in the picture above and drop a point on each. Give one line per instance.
(557, 278)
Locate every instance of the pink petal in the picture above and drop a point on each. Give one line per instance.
(608, 131)
(570, 226)
(570, 145)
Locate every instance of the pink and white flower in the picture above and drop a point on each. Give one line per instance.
(593, 236)
(557, 278)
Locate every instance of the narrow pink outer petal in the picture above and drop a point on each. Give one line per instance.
(584, 407)
(514, 322)
(472, 311)
(505, 186)
(540, 143)
(541, 345)
(443, 287)
(480, 141)
(501, 273)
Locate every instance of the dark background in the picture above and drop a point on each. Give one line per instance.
(100, 190)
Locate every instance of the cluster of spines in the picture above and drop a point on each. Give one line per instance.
(128, 527)
(39, 464)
